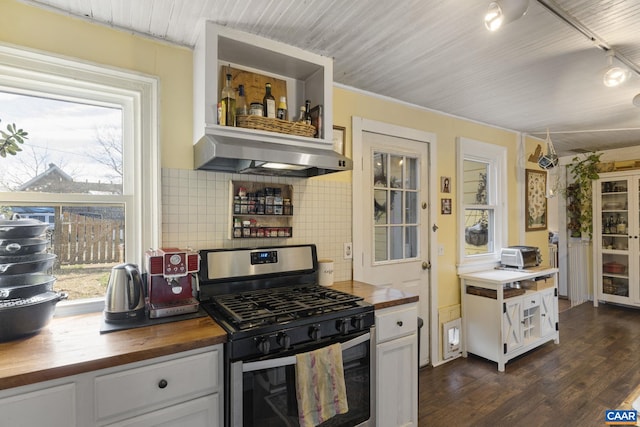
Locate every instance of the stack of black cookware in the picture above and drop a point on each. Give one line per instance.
(27, 298)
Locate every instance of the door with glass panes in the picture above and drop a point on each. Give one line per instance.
(392, 245)
(616, 228)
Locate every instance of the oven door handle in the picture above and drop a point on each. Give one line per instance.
(291, 360)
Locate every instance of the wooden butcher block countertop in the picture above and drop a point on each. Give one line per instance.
(73, 345)
(378, 296)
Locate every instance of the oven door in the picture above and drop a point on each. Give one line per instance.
(263, 393)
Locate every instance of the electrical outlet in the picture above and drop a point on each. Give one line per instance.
(348, 251)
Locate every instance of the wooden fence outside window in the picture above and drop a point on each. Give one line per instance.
(81, 239)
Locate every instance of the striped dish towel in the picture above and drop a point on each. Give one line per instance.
(320, 387)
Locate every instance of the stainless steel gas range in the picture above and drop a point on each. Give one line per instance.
(269, 302)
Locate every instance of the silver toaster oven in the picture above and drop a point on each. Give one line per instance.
(520, 257)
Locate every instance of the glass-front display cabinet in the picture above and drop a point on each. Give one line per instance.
(616, 244)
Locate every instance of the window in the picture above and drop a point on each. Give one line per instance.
(89, 166)
(395, 206)
(482, 200)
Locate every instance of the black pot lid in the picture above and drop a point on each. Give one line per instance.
(36, 299)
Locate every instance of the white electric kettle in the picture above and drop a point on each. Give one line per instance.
(124, 300)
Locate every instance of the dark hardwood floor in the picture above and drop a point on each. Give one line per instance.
(595, 367)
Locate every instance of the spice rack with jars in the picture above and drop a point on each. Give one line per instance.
(260, 210)
(306, 75)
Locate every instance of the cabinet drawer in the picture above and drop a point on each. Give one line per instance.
(394, 323)
(198, 412)
(158, 383)
(51, 407)
(530, 301)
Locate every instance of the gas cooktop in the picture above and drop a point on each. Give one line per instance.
(247, 310)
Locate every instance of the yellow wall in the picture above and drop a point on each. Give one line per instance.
(536, 238)
(447, 129)
(348, 103)
(35, 28)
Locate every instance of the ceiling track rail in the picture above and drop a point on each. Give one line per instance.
(598, 42)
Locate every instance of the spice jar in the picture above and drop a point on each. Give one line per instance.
(255, 109)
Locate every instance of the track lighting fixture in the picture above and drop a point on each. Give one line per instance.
(614, 75)
(502, 12)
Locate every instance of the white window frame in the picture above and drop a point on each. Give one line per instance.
(495, 156)
(30, 72)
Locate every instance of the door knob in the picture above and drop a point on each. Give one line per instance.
(426, 265)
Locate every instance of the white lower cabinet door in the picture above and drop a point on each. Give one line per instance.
(397, 382)
(201, 412)
(51, 407)
(512, 324)
(548, 310)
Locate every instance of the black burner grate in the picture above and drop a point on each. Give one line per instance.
(277, 305)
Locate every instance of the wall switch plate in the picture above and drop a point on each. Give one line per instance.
(440, 250)
(348, 251)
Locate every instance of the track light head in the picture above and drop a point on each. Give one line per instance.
(502, 12)
(614, 75)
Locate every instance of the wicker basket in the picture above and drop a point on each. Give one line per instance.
(491, 293)
(614, 268)
(276, 125)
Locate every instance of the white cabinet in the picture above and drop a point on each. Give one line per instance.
(527, 319)
(499, 327)
(307, 76)
(143, 389)
(194, 413)
(397, 366)
(548, 312)
(616, 242)
(512, 324)
(51, 406)
(182, 390)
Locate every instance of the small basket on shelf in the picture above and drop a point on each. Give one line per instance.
(276, 125)
(614, 268)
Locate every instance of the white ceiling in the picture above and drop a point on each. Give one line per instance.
(535, 73)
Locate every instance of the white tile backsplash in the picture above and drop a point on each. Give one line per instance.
(196, 214)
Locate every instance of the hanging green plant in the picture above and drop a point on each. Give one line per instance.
(583, 171)
(10, 139)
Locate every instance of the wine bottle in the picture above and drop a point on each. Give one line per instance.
(282, 108)
(268, 103)
(307, 111)
(228, 104)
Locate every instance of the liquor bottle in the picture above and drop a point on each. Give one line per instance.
(282, 108)
(241, 102)
(307, 111)
(268, 103)
(303, 115)
(228, 104)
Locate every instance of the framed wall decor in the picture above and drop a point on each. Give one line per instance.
(535, 200)
(445, 206)
(339, 136)
(445, 184)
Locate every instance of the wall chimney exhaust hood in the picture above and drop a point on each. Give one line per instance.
(224, 153)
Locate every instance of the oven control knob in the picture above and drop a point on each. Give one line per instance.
(284, 340)
(342, 325)
(314, 333)
(358, 322)
(263, 345)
